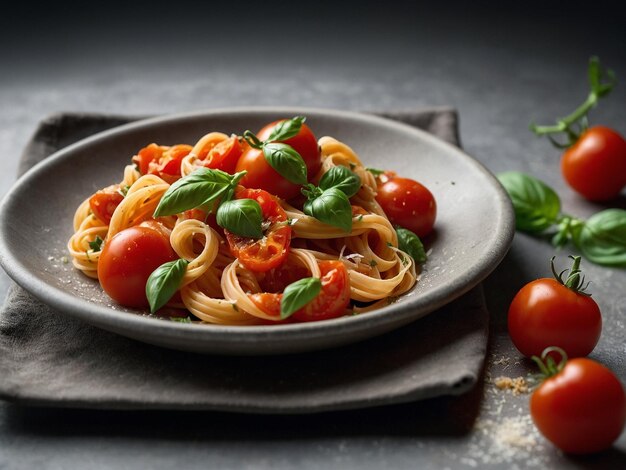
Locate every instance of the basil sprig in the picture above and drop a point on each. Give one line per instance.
(164, 282)
(341, 178)
(601, 239)
(329, 202)
(241, 216)
(201, 188)
(411, 244)
(297, 294)
(282, 157)
(536, 205)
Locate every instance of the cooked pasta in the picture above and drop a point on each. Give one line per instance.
(218, 287)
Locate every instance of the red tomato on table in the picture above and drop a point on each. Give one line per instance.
(581, 409)
(262, 175)
(128, 259)
(271, 250)
(408, 204)
(595, 166)
(545, 313)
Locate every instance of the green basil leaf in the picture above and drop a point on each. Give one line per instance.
(411, 244)
(96, 244)
(602, 238)
(332, 207)
(286, 129)
(286, 161)
(536, 205)
(242, 217)
(199, 188)
(164, 282)
(341, 178)
(298, 294)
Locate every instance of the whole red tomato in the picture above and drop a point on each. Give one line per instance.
(408, 204)
(128, 259)
(262, 176)
(581, 409)
(552, 312)
(595, 166)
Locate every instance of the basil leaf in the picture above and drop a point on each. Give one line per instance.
(411, 244)
(164, 282)
(286, 129)
(242, 217)
(298, 294)
(96, 244)
(286, 161)
(332, 207)
(199, 188)
(536, 205)
(602, 238)
(341, 178)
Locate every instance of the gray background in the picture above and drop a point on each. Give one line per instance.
(501, 67)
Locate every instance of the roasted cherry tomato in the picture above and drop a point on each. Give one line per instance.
(104, 202)
(162, 160)
(271, 250)
(552, 312)
(225, 155)
(408, 204)
(275, 280)
(128, 259)
(595, 166)
(581, 407)
(262, 175)
(331, 302)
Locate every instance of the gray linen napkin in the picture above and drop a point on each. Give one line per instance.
(50, 359)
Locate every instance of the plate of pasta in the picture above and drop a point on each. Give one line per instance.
(254, 231)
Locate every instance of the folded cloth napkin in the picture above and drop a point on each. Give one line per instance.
(47, 358)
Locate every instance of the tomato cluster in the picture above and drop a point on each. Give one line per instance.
(581, 405)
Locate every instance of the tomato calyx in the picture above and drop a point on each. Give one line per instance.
(601, 83)
(574, 281)
(548, 367)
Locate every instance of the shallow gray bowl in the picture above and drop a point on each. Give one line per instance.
(474, 228)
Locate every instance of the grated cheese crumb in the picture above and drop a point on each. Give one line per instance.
(517, 385)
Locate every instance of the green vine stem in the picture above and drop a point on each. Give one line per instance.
(601, 85)
(547, 365)
(574, 281)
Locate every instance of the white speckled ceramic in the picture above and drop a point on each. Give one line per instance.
(474, 227)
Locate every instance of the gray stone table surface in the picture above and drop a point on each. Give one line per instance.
(501, 68)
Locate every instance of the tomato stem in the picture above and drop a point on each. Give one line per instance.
(601, 85)
(252, 139)
(547, 366)
(574, 281)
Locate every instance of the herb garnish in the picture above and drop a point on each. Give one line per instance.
(96, 244)
(282, 157)
(164, 282)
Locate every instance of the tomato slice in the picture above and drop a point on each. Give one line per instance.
(224, 156)
(162, 160)
(104, 202)
(331, 302)
(271, 250)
